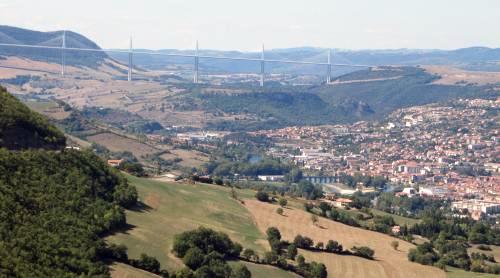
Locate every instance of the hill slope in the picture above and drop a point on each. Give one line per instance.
(54, 205)
(182, 207)
(387, 89)
(388, 262)
(14, 35)
(21, 128)
(362, 95)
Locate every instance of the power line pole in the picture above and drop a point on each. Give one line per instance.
(196, 64)
(129, 77)
(63, 54)
(262, 65)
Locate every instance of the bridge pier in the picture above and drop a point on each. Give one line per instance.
(129, 77)
(196, 65)
(329, 68)
(262, 61)
(63, 54)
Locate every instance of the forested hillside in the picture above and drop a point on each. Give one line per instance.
(390, 88)
(54, 205)
(21, 128)
(362, 95)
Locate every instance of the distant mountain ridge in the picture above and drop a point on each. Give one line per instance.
(472, 58)
(15, 35)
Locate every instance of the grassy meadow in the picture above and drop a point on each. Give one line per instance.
(173, 208)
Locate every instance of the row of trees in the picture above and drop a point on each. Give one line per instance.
(148, 263)
(282, 250)
(367, 181)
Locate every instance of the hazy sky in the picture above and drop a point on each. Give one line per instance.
(244, 25)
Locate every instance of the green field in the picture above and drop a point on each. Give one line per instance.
(40, 106)
(452, 272)
(400, 220)
(174, 208)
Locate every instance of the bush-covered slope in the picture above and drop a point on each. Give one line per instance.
(21, 128)
(284, 108)
(413, 86)
(54, 205)
(361, 95)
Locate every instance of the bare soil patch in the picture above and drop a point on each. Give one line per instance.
(117, 143)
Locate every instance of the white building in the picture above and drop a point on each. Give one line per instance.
(477, 207)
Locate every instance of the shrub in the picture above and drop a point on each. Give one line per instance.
(194, 258)
(273, 233)
(292, 251)
(308, 207)
(484, 247)
(303, 242)
(395, 244)
(116, 252)
(283, 202)
(319, 245)
(147, 263)
(241, 271)
(279, 211)
(363, 251)
(333, 246)
(262, 196)
(248, 254)
(218, 181)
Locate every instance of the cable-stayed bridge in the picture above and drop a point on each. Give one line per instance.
(328, 64)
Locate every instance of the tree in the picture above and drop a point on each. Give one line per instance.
(248, 254)
(273, 233)
(270, 257)
(317, 270)
(319, 245)
(184, 273)
(282, 202)
(148, 263)
(324, 207)
(241, 271)
(218, 181)
(262, 196)
(279, 211)
(308, 207)
(363, 251)
(292, 251)
(236, 250)
(194, 258)
(301, 261)
(117, 252)
(395, 244)
(333, 246)
(314, 219)
(234, 195)
(303, 242)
